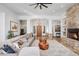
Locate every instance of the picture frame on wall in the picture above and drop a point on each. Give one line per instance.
(13, 26)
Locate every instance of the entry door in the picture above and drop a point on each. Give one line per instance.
(39, 31)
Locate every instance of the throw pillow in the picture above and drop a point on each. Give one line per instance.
(8, 49)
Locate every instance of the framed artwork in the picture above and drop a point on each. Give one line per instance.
(13, 26)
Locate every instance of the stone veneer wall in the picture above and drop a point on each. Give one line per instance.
(73, 16)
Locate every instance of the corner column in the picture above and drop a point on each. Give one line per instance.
(28, 26)
(50, 29)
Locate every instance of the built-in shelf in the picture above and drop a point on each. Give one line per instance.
(63, 28)
(60, 28)
(57, 30)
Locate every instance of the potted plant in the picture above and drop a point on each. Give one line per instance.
(10, 34)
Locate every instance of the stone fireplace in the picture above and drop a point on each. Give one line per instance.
(73, 33)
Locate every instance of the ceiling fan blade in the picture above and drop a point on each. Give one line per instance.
(32, 4)
(36, 5)
(44, 5)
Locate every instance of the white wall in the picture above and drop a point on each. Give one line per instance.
(9, 16)
(2, 28)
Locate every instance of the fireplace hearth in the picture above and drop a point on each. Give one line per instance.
(73, 33)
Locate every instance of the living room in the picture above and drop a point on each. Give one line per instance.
(40, 29)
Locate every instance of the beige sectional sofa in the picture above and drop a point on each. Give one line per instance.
(14, 43)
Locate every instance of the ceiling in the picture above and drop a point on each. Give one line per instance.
(55, 9)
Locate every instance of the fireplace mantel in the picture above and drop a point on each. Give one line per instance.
(73, 30)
